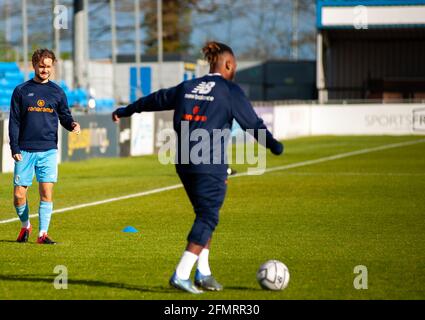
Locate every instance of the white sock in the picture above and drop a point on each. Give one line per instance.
(26, 224)
(40, 234)
(203, 264)
(184, 268)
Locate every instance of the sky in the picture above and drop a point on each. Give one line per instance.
(263, 25)
(257, 28)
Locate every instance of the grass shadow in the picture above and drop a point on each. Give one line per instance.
(105, 284)
(91, 283)
(8, 241)
(28, 243)
(239, 288)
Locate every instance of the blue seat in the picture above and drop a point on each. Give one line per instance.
(9, 66)
(105, 104)
(70, 98)
(8, 92)
(15, 78)
(5, 101)
(63, 85)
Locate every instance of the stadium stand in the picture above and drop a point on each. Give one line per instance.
(11, 76)
(371, 50)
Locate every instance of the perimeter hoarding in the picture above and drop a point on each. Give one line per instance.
(125, 137)
(163, 121)
(142, 134)
(98, 138)
(7, 163)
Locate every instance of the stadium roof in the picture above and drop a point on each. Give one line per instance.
(365, 14)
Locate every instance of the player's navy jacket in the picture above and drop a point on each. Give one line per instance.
(34, 112)
(210, 102)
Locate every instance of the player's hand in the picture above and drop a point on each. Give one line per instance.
(17, 157)
(115, 117)
(277, 148)
(76, 127)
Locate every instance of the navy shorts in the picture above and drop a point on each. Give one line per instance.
(206, 193)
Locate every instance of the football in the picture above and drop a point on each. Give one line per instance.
(273, 275)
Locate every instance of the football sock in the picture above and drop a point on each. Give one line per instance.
(184, 268)
(203, 265)
(44, 214)
(23, 214)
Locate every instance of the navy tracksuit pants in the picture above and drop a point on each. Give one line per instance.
(206, 193)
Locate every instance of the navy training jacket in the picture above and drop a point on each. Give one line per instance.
(210, 103)
(35, 109)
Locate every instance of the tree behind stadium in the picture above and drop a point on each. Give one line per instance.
(177, 24)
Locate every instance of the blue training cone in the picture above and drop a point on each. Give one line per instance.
(130, 229)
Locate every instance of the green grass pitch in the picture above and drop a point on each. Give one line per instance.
(321, 220)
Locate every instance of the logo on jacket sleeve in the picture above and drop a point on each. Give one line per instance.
(204, 87)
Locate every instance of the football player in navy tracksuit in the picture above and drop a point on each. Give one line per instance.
(209, 103)
(36, 106)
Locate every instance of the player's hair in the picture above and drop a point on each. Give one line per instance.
(41, 54)
(212, 50)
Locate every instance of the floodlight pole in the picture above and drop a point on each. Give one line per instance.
(25, 37)
(86, 31)
(320, 68)
(8, 25)
(79, 41)
(57, 40)
(294, 47)
(8, 29)
(113, 46)
(160, 42)
(137, 47)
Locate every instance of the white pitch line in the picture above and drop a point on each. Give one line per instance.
(339, 156)
(279, 168)
(356, 174)
(85, 205)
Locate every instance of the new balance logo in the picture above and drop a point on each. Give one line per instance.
(204, 88)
